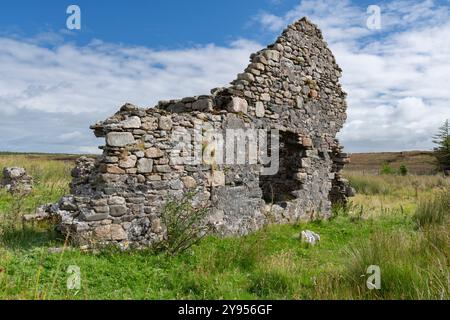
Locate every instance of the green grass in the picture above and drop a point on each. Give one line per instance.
(379, 228)
(270, 264)
(433, 210)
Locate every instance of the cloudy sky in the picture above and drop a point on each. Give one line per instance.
(55, 82)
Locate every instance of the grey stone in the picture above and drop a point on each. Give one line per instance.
(265, 97)
(260, 111)
(118, 210)
(131, 123)
(165, 123)
(128, 162)
(176, 184)
(203, 105)
(154, 153)
(246, 76)
(310, 237)
(237, 105)
(110, 232)
(272, 55)
(119, 139)
(189, 182)
(116, 200)
(91, 215)
(163, 168)
(217, 179)
(145, 165)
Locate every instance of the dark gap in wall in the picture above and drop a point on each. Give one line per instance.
(281, 187)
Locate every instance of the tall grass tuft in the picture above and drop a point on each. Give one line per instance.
(434, 210)
(369, 185)
(412, 266)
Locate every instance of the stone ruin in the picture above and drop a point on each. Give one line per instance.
(17, 181)
(291, 87)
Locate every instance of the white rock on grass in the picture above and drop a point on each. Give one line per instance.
(310, 237)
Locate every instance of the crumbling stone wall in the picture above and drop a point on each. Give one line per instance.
(17, 181)
(292, 86)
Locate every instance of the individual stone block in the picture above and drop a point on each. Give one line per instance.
(306, 163)
(176, 184)
(260, 59)
(156, 226)
(109, 159)
(118, 210)
(111, 232)
(139, 154)
(128, 162)
(165, 123)
(313, 153)
(102, 209)
(217, 179)
(91, 215)
(154, 153)
(265, 97)
(307, 142)
(260, 111)
(154, 177)
(313, 94)
(145, 165)
(301, 176)
(131, 123)
(163, 169)
(116, 200)
(189, 182)
(272, 55)
(237, 105)
(246, 76)
(119, 139)
(203, 105)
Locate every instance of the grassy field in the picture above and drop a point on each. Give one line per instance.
(401, 224)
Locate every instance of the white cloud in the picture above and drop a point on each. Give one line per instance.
(270, 21)
(50, 95)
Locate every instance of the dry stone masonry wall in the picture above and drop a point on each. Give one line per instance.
(292, 87)
(17, 181)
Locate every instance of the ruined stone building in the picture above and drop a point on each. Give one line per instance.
(291, 87)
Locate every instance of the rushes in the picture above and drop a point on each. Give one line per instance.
(433, 210)
(413, 266)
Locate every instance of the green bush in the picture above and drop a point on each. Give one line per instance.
(184, 224)
(386, 169)
(403, 171)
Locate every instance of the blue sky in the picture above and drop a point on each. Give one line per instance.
(157, 23)
(56, 82)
